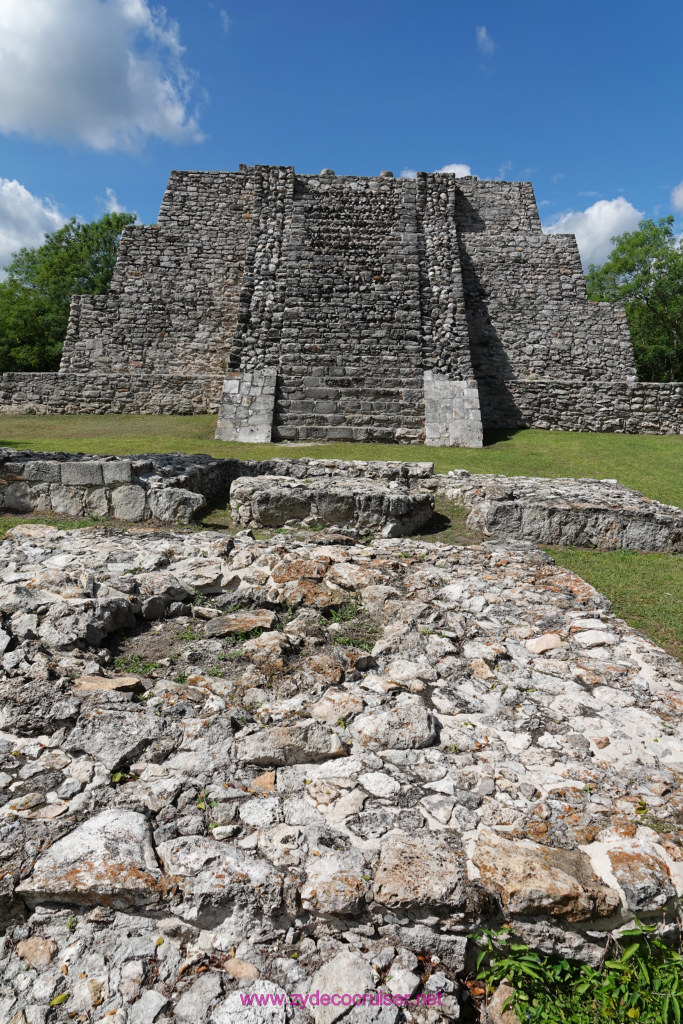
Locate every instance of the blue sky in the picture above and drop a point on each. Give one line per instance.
(100, 99)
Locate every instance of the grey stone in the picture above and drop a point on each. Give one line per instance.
(80, 473)
(117, 472)
(108, 859)
(128, 502)
(302, 743)
(43, 472)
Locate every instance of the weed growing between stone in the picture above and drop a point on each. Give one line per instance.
(643, 981)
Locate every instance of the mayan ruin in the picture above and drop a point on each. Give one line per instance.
(339, 308)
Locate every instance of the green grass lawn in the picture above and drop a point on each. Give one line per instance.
(645, 590)
(653, 465)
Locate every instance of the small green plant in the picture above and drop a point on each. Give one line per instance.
(344, 613)
(135, 571)
(643, 983)
(135, 664)
(204, 801)
(181, 678)
(71, 923)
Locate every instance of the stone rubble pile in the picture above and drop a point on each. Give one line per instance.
(305, 764)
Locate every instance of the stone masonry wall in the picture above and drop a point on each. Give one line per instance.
(172, 306)
(628, 407)
(350, 289)
(72, 393)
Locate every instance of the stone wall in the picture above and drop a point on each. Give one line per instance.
(72, 393)
(171, 488)
(629, 407)
(350, 289)
(172, 306)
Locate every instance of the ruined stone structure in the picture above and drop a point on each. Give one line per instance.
(347, 308)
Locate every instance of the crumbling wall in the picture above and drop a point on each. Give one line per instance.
(172, 306)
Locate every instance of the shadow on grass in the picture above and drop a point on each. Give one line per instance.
(494, 437)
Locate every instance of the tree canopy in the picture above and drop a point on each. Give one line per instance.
(645, 272)
(78, 259)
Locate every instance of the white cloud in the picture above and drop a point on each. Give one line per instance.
(106, 73)
(459, 170)
(595, 226)
(225, 21)
(484, 41)
(111, 203)
(677, 198)
(24, 219)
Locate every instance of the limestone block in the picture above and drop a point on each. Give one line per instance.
(67, 501)
(119, 472)
(108, 859)
(452, 414)
(23, 497)
(97, 501)
(80, 473)
(128, 502)
(247, 406)
(43, 472)
(174, 504)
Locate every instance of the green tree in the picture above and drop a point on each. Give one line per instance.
(78, 259)
(645, 272)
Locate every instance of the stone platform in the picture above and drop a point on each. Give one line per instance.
(566, 512)
(363, 505)
(231, 766)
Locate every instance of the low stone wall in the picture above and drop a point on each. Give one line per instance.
(361, 504)
(74, 393)
(566, 512)
(170, 488)
(607, 406)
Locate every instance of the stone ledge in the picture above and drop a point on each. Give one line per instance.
(566, 512)
(364, 505)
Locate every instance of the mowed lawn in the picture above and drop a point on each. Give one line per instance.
(653, 465)
(646, 590)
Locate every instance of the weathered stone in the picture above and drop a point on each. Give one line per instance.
(108, 860)
(240, 622)
(644, 877)
(37, 952)
(499, 1008)
(302, 743)
(533, 879)
(241, 969)
(113, 737)
(406, 726)
(334, 883)
(345, 974)
(210, 874)
(542, 644)
(233, 1010)
(420, 870)
(128, 502)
